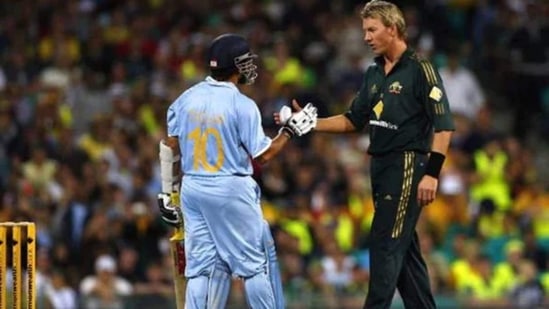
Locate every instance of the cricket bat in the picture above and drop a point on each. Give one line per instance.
(178, 255)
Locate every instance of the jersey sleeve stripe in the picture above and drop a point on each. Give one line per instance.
(430, 68)
(429, 73)
(441, 109)
(426, 73)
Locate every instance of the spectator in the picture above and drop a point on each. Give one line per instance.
(337, 273)
(39, 171)
(464, 92)
(489, 178)
(479, 288)
(9, 133)
(59, 294)
(528, 292)
(466, 253)
(528, 46)
(533, 251)
(2, 79)
(104, 289)
(506, 273)
(437, 263)
(155, 290)
(96, 142)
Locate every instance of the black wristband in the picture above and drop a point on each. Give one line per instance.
(436, 159)
(286, 131)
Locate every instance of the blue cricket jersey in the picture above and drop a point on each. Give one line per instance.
(219, 129)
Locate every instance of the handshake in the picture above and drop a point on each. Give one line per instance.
(299, 123)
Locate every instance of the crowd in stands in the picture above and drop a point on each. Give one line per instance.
(84, 88)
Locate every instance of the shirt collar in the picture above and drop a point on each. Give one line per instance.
(210, 80)
(405, 57)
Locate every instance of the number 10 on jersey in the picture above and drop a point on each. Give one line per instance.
(200, 155)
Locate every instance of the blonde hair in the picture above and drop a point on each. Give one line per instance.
(388, 13)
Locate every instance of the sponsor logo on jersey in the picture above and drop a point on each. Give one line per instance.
(383, 124)
(435, 94)
(378, 109)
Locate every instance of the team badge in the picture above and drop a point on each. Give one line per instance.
(395, 87)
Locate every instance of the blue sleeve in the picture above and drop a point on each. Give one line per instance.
(250, 129)
(172, 124)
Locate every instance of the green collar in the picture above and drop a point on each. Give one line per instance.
(406, 55)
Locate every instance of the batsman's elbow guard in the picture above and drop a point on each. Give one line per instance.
(170, 176)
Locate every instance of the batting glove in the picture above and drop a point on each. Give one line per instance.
(303, 121)
(170, 213)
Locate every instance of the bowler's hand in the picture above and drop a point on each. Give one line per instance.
(427, 190)
(276, 115)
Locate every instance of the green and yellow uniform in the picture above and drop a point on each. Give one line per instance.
(402, 109)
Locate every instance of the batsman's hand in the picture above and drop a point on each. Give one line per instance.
(170, 213)
(299, 123)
